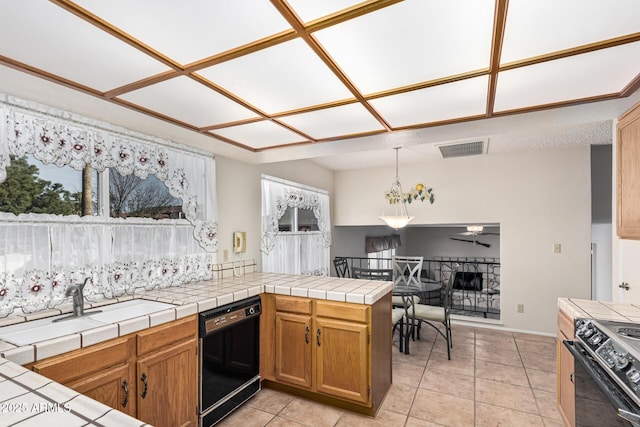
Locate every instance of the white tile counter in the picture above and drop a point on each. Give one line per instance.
(599, 310)
(21, 387)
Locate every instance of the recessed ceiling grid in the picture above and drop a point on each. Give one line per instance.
(262, 74)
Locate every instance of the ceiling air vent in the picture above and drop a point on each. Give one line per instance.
(462, 149)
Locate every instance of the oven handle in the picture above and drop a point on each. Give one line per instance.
(595, 373)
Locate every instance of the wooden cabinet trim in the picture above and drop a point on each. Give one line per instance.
(565, 324)
(343, 311)
(85, 361)
(161, 336)
(293, 304)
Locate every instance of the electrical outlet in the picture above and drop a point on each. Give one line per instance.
(225, 255)
(520, 308)
(557, 248)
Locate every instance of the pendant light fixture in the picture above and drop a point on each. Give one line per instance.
(395, 213)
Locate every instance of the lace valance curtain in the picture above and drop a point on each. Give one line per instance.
(40, 254)
(295, 253)
(381, 243)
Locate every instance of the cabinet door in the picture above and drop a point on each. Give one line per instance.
(167, 386)
(113, 387)
(294, 339)
(342, 359)
(566, 387)
(628, 175)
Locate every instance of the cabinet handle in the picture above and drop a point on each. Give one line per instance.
(624, 285)
(318, 337)
(306, 335)
(125, 386)
(143, 378)
(571, 378)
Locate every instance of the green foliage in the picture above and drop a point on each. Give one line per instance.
(25, 192)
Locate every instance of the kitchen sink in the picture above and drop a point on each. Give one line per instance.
(44, 329)
(51, 327)
(128, 310)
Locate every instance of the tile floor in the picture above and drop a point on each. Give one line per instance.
(494, 378)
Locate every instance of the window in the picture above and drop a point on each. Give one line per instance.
(296, 231)
(131, 196)
(33, 187)
(381, 259)
(298, 219)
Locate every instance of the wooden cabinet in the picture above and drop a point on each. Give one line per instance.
(150, 375)
(293, 352)
(339, 353)
(104, 372)
(628, 174)
(566, 387)
(167, 373)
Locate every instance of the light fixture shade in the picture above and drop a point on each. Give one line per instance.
(475, 228)
(396, 203)
(397, 221)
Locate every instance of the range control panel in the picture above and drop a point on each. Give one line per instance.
(614, 357)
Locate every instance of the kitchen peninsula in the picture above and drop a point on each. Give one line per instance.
(332, 295)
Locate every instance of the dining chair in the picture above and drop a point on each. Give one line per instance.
(406, 270)
(435, 315)
(342, 267)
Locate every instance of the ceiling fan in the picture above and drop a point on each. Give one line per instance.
(474, 241)
(476, 230)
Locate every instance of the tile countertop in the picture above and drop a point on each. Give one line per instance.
(600, 310)
(27, 398)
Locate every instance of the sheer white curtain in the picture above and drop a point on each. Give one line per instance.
(294, 252)
(41, 254)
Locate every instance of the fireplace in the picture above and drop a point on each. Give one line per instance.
(468, 281)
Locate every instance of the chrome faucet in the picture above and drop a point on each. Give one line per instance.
(76, 290)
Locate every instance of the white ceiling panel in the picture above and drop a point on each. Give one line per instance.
(45, 36)
(412, 42)
(191, 30)
(543, 26)
(596, 73)
(274, 74)
(465, 98)
(260, 134)
(189, 101)
(310, 10)
(281, 78)
(344, 120)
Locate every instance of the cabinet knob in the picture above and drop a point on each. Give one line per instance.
(624, 285)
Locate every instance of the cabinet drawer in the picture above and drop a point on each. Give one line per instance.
(293, 304)
(343, 311)
(161, 336)
(85, 361)
(565, 324)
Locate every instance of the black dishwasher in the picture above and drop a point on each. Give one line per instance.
(229, 358)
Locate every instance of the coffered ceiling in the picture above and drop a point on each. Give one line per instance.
(262, 74)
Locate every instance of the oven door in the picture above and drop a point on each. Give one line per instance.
(599, 400)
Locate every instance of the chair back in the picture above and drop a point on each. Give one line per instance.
(342, 267)
(447, 293)
(372, 273)
(406, 270)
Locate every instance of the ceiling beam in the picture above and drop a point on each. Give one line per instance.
(499, 25)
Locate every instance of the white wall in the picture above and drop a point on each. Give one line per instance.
(539, 198)
(239, 199)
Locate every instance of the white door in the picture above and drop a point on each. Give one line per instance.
(629, 273)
